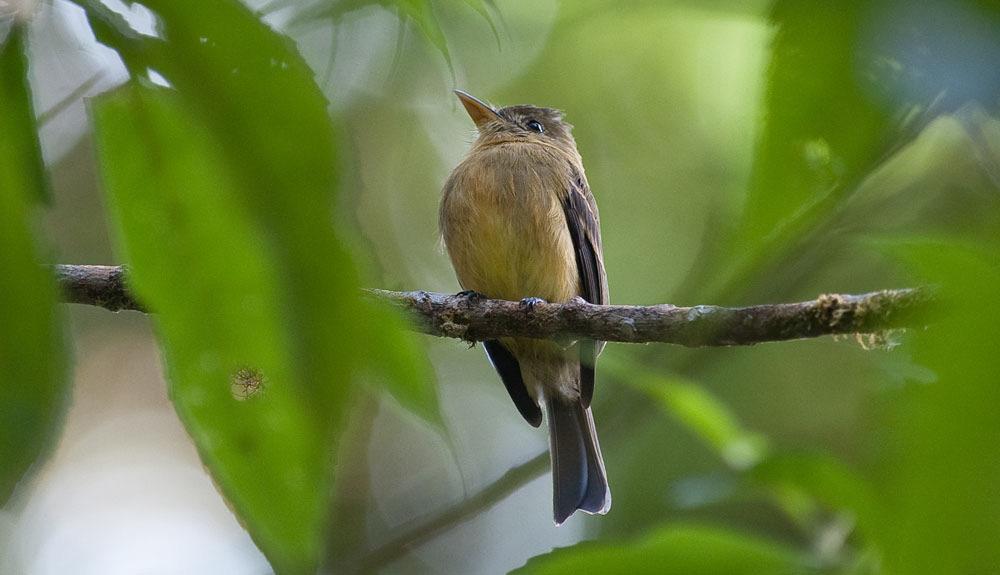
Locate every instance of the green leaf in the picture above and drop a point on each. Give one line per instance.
(21, 150)
(685, 550)
(486, 8)
(32, 362)
(394, 351)
(809, 478)
(198, 260)
(697, 410)
(223, 191)
(422, 14)
(822, 127)
(942, 468)
(259, 98)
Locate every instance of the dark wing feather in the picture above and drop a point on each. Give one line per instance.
(585, 231)
(510, 372)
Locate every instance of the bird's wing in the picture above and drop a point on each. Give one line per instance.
(580, 209)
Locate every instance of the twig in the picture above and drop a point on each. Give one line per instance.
(424, 529)
(476, 318)
(102, 286)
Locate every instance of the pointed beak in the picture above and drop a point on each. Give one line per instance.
(480, 112)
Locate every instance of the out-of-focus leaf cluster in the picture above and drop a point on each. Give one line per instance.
(879, 121)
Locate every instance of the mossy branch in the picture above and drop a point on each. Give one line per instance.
(473, 318)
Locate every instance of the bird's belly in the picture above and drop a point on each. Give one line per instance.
(509, 262)
(512, 243)
(504, 225)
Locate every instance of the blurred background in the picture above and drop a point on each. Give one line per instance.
(740, 153)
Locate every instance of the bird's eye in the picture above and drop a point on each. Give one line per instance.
(535, 126)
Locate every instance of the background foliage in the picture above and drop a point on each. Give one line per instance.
(261, 162)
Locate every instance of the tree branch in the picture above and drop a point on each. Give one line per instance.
(102, 286)
(423, 529)
(476, 318)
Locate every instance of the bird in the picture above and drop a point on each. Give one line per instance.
(520, 223)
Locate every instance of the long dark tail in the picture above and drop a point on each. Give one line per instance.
(578, 477)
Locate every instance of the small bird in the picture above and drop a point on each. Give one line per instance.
(520, 223)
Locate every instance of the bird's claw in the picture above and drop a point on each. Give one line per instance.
(470, 295)
(529, 303)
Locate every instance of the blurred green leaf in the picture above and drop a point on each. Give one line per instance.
(197, 257)
(393, 350)
(697, 410)
(486, 9)
(847, 86)
(685, 550)
(821, 127)
(32, 363)
(810, 478)
(942, 467)
(422, 14)
(250, 86)
(223, 191)
(800, 483)
(21, 150)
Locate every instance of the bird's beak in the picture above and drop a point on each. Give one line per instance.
(480, 112)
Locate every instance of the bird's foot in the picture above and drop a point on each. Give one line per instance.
(529, 303)
(470, 295)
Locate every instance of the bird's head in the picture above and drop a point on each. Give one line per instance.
(529, 124)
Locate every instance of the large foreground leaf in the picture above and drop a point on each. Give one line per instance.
(32, 364)
(199, 262)
(256, 95)
(943, 465)
(223, 189)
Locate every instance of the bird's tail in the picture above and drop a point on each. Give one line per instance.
(578, 477)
